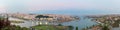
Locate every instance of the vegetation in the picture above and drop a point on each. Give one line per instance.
(17, 21)
(107, 21)
(60, 25)
(4, 22)
(41, 16)
(76, 28)
(70, 27)
(49, 27)
(13, 27)
(105, 26)
(5, 25)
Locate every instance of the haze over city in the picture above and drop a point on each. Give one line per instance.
(77, 6)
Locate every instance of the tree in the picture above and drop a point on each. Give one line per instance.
(76, 28)
(70, 27)
(39, 16)
(105, 27)
(45, 16)
(60, 25)
(4, 22)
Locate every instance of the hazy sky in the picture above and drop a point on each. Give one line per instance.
(38, 5)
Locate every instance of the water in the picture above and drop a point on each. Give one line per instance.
(82, 23)
(29, 23)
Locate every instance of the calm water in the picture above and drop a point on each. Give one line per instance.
(82, 23)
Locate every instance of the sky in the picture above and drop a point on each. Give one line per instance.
(58, 5)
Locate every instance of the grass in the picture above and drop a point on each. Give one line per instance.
(13, 27)
(49, 27)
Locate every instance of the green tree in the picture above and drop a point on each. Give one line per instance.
(105, 27)
(76, 28)
(70, 27)
(60, 25)
(39, 16)
(4, 22)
